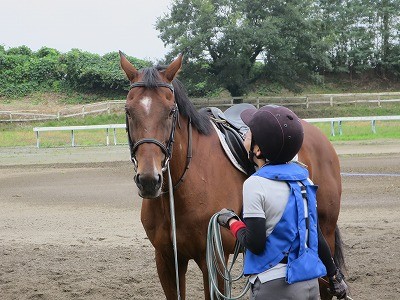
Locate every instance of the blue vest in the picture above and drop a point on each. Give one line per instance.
(289, 235)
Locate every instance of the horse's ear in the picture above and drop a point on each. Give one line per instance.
(174, 68)
(128, 68)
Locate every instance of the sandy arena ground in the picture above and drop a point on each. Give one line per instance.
(70, 225)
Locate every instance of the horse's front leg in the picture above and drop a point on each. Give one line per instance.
(166, 272)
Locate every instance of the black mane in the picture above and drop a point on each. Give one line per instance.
(201, 122)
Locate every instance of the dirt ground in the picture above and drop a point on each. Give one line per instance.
(70, 225)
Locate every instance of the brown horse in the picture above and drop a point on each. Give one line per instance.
(159, 116)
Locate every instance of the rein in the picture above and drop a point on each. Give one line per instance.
(173, 229)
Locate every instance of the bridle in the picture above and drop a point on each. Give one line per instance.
(166, 149)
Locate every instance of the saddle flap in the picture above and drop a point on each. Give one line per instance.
(232, 128)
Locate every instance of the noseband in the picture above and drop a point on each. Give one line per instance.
(166, 149)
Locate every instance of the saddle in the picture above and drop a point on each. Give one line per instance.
(231, 130)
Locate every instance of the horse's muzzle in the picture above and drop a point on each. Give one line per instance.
(149, 185)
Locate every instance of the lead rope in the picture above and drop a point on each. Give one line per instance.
(173, 229)
(215, 258)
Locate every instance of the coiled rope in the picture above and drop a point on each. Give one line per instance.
(216, 264)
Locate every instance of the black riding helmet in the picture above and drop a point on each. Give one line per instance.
(276, 130)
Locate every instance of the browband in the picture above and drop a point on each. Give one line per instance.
(158, 84)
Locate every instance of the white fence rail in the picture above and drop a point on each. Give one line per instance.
(92, 108)
(73, 111)
(107, 128)
(72, 129)
(304, 101)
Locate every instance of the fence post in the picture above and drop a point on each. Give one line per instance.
(332, 128)
(83, 111)
(331, 100)
(340, 127)
(72, 138)
(108, 137)
(37, 139)
(307, 104)
(115, 137)
(373, 127)
(379, 100)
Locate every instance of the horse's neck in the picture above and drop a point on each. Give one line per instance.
(209, 170)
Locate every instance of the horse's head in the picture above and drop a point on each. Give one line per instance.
(151, 118)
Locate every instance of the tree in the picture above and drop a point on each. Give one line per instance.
(230, 35)
(364, 34)
(91, 72)
(347, 26)
(23, 71)
(388, 25)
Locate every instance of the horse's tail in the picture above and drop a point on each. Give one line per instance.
(339, 255)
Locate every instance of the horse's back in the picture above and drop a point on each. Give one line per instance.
(323, 163)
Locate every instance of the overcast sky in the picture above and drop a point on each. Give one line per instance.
(96, 26)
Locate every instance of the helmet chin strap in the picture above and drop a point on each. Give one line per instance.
(251, 153)
(251, 157)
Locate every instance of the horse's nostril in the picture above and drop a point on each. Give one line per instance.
(148, 183)
(136, 178)
(159, 180)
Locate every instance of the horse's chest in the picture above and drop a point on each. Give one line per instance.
(160, 235)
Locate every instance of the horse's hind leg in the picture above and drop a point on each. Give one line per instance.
(328, 197)
(166, 272)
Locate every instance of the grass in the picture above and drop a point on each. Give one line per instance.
(81, 138)
(18, 135)
(356, 131)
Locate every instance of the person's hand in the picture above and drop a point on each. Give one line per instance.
(224, 216)
(337, 286)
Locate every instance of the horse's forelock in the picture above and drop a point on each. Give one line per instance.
(151, 76)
